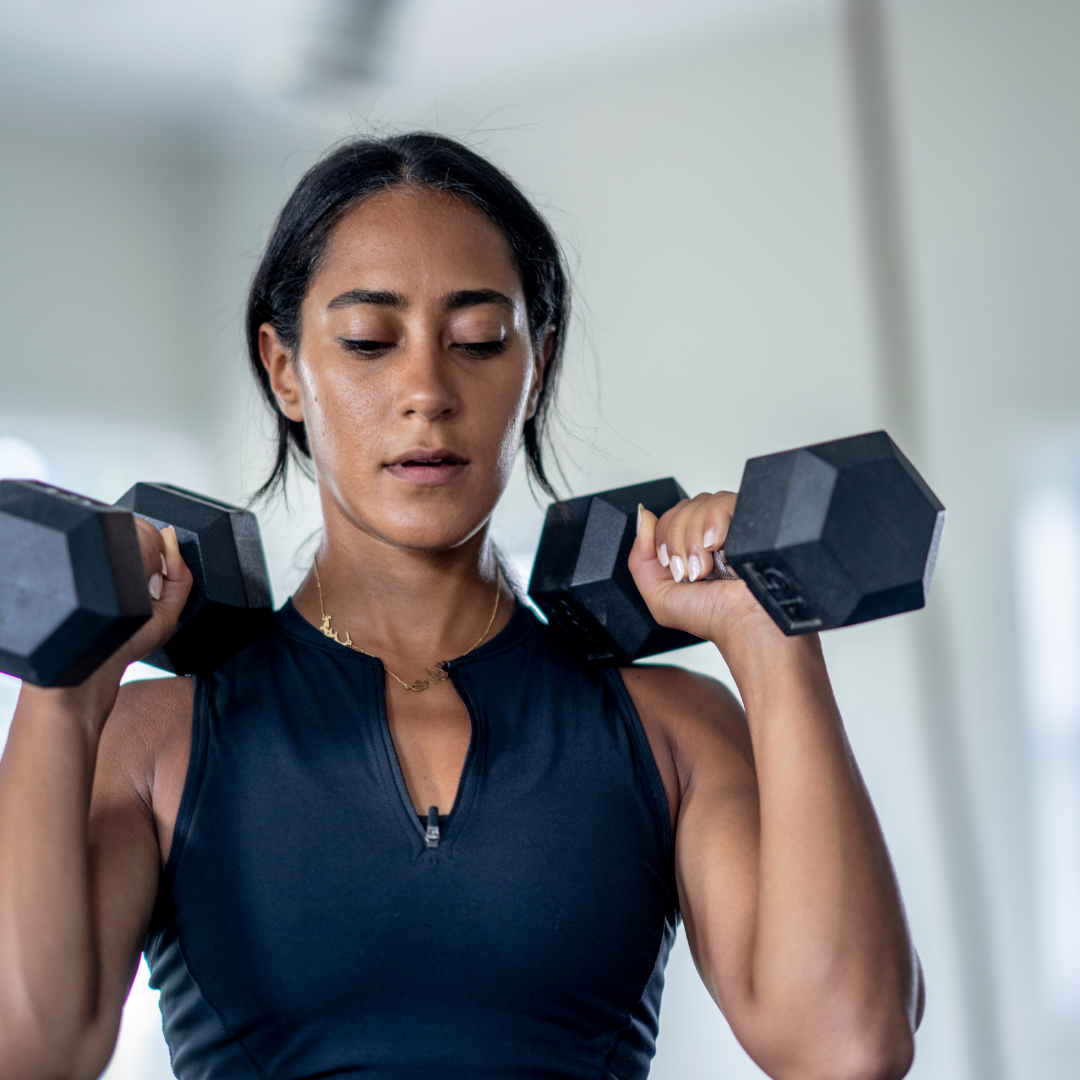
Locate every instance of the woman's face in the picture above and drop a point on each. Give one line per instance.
(415, 370)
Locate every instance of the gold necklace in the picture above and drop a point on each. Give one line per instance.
(438, 674)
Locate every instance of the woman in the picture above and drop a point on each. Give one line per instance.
(343, 855)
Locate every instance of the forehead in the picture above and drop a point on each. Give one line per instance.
(415, 238)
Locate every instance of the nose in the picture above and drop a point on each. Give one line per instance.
(424, 388)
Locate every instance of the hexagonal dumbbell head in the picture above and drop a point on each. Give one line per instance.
(72, 584)
(229, 606)
(834, 534)
(581, 579)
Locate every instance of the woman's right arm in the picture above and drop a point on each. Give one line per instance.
(77, 888)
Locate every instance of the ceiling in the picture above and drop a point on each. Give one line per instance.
(225, 60)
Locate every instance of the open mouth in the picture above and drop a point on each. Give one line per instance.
(428, 468)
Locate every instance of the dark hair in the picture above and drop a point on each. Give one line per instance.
(364, 167)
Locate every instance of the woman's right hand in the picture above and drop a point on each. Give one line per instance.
(80, 856)
(168, 580)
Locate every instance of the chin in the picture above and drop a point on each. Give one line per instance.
(433, 532)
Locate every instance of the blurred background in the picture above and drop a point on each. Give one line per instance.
(789, 220)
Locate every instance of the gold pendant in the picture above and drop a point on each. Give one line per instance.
(333, 633)
(440, 674)
(437, 675)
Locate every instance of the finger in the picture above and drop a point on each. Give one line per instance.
(178, 579)
(644, 558)
(676, 537)
(152, 549)
(649, 575)
(645, 541)
(661, 532)
(693, 538)
(706, 531)
(174, 563)
(719, 512)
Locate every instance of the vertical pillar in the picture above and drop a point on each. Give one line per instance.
(865, 32)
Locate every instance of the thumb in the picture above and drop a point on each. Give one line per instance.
(645, 542)
(174, 589)
(173, 561)
(645, 567)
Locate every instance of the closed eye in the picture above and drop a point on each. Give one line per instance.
(365, 346)
(481, 350)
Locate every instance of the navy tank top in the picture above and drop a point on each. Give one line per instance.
(304, 927)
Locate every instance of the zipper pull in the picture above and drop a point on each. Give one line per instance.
(432, 834)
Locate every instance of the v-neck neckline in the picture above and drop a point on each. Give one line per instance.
(521, 621)
(404, 803)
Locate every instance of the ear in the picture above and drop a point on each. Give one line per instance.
(282, 372)
(541, 357)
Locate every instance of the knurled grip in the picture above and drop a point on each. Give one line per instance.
(721, 571)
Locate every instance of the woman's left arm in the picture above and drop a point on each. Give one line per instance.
(790, 902)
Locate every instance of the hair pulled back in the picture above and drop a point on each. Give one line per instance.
(364, 167)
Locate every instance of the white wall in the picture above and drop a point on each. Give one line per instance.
(712, 205)
(96, 278)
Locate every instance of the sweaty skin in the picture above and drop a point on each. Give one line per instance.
(414, 374)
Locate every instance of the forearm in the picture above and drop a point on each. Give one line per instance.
(49, 967)
(830, 950)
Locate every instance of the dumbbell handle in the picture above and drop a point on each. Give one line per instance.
(721, 571)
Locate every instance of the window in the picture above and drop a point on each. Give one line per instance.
(1048, 583)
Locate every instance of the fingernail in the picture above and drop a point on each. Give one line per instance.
(710, 538)
(677, 568)
(155, 586)
(662, 556)
(695, 567)
(638, 518)
(164, 567)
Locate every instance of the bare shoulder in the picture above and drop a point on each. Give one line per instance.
(695, 727)
(149, 718)
(144, 751)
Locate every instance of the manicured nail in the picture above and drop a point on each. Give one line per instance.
(155, 586)
(164, 567)
(710, 539)
(694, 566)
(677, 568)
(638, 518)
(662, 555)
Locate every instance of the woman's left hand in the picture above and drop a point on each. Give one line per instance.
(789, 901)
(671, 559)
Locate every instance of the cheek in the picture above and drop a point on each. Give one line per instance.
(510, 438)
(340, 413)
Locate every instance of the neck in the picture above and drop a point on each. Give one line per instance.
(409, 607)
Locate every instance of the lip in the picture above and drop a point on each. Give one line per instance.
(441, 466)
(429, 453)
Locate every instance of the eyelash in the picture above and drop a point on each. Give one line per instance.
(481, 350)
(476, 350)
(365, 346)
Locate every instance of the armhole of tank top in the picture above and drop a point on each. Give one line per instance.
(200, 723)
(654, 785)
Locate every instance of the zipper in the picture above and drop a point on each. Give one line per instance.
(432, 834)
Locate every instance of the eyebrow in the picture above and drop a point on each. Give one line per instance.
(367, 296)
(475, 297)
(455, 301)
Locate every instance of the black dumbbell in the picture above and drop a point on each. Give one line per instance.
(73, 587)
(828, 535)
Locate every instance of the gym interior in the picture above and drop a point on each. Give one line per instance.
(788, 221)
